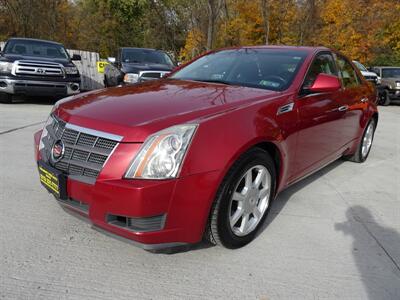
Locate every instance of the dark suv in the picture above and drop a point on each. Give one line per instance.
(37, 68)
(132, 65)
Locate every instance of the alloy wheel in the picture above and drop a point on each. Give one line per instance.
(250, 200)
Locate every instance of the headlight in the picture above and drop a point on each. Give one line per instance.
(131, 77)
(398, 83)
(44, 132)
(71, 70)
(378, 80)
(162, 154)
(5, 67)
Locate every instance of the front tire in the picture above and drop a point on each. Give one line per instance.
(364, 147)
(6, 98)
(243, 200)
(385, 98)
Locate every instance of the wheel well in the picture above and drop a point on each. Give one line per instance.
(273, 150)
(376, 118)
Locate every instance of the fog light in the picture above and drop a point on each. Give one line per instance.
(74, 87)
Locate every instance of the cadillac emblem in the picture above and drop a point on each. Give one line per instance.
(57, 152)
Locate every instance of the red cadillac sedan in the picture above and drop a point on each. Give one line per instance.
(204, 152)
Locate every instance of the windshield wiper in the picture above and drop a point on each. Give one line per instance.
(213, 81)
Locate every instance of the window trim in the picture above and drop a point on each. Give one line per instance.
(359, 80)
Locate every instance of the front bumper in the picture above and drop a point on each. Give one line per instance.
(38, 88)
(182, 204)
(394, 94)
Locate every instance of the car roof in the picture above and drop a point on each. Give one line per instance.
(34, 40)
(138, 48)
(386, 67)
(308, 49)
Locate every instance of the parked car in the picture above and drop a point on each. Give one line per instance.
(132, 65)
(37, 68)
(368, 75)
(205, 151)
(390, 83)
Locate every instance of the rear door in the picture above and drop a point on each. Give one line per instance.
(320, 120)
(353, 99)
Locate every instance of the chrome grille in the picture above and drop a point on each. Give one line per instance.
(151, 75)
(38, 68)
(84, 155)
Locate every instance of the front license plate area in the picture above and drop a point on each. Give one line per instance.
(53, 180)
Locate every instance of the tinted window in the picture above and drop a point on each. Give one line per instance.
(35, 48)
(323, 63)
(391, 73)
(260, 68)
(347, 73)
(145, 56)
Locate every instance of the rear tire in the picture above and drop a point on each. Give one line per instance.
(364, 147)
(234, 223)
(6, 98)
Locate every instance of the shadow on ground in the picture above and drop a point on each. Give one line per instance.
(374, 252)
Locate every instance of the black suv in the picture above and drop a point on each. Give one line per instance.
(37, 68)
(134, 65)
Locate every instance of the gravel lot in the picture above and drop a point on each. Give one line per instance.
(334, 235)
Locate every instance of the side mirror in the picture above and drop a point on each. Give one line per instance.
(76, 57)
(111, 60)
(325, 83)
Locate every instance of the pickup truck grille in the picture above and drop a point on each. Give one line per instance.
(38, 68)
(84, 153)
(151, 75)
(371, 78)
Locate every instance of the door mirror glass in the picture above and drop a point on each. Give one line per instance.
(325, 83)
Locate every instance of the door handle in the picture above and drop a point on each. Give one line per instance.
(343, 108)
(363, 100)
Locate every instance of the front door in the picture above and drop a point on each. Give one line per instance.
(320, 120)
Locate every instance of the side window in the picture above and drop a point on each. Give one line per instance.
(323, 63)
(347, 73)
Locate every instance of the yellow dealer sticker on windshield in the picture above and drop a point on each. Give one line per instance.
(101, 65)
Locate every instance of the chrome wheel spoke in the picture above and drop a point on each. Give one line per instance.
(264, 193)
(245, 223)
(257, 213)
(260, 178)
(238, 197)
(249, 180)
(236, 216)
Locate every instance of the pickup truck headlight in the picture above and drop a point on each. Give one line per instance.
(162, 154)
(71, 70)
(131, 78)
(5, 67)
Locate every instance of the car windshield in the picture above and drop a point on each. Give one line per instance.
(391, 73)
(35, 48)
(270, 69)
(145, 56)
(360, 66)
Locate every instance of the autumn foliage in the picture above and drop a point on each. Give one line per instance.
(365, 30)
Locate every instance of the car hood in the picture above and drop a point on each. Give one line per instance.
(134, 112)
(365, 73)
(13, 57)
(137, 67)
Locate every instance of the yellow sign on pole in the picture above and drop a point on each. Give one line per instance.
(101, 66)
